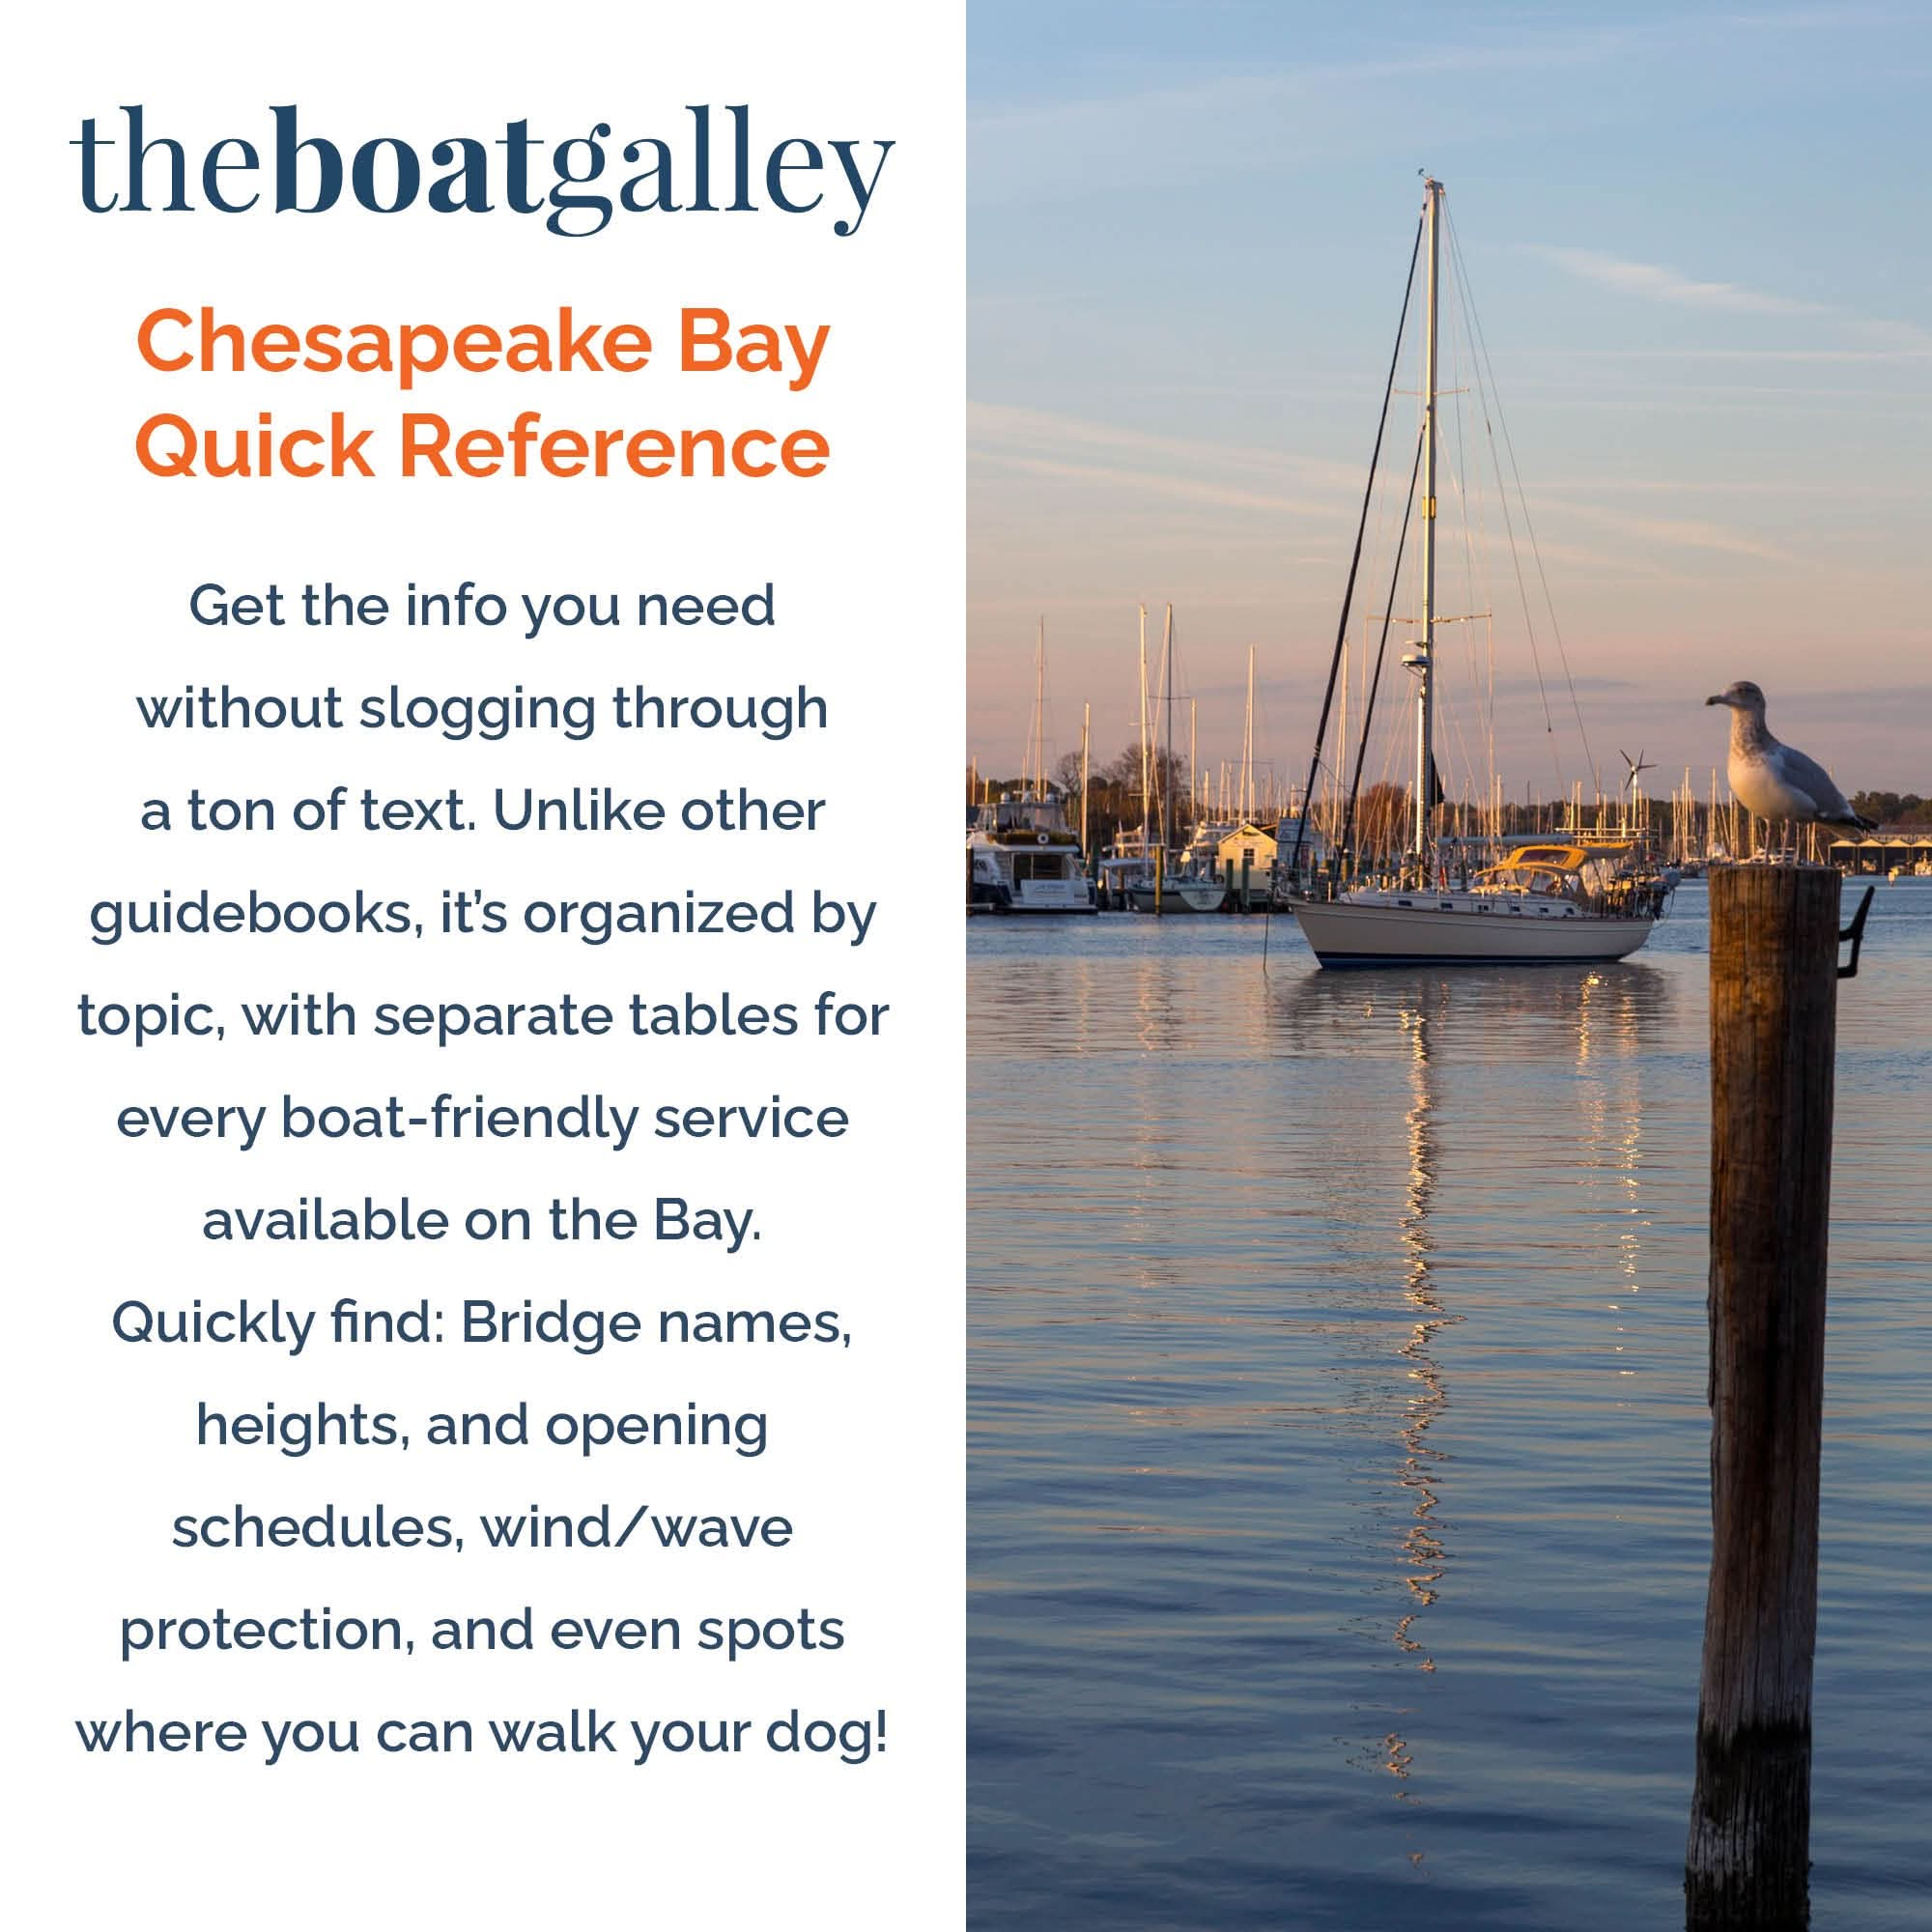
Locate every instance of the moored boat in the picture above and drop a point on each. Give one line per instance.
(1021, 854)
(1025, 858)
(1590, 899)
(1178, 893)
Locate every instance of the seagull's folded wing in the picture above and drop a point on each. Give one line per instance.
(1809, 776)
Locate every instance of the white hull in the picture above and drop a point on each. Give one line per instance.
(1061, 895)
(1058, 903)
(1344, 933)
(1042, 874)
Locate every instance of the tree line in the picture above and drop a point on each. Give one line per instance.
(1382, 811)
(1894, 808)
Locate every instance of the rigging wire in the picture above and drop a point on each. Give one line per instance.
(1491, 395)
(1382, 649)
(1516, 559)
(1349, 592)
(1461, 351)
(1376, 563)
(1445, 698)
(1476, 559)
(1354, 563)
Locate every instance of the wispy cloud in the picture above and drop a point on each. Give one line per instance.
(1909, 338)
(1655, 283)
(1681, 533)
(1702, 486)
(1182, 489)
(1113, 457)
(1873, 339)
(1027, 150)
(1185, 468)
(1917, 347)
(1160, 133)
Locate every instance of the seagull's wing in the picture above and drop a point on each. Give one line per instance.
(1809, 776)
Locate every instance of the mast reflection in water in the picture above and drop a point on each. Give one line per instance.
(1422, 1543)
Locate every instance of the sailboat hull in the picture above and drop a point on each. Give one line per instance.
(1344, 934)
(1180, 896)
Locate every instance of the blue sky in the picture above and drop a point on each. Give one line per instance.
(1698, 245)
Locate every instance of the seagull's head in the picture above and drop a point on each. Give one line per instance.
(1744, 695)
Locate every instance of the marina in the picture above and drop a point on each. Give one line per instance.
(1398, 1317)
(1442, 868)
(1339, 1456)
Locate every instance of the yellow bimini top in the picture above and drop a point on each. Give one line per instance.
(1555, 866)
(1544, 859)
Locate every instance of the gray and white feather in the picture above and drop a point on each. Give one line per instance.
(1774, 780)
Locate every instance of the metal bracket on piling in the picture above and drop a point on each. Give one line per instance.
(1856, 933)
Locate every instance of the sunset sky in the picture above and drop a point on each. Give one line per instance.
(1697, 243)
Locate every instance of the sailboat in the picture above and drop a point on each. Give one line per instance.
(1562, 897)
(1174, 885)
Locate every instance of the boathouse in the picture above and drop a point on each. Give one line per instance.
(1892, 848)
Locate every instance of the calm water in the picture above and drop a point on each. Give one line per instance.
(1339, 1482)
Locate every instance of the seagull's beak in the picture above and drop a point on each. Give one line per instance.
(1718, 699)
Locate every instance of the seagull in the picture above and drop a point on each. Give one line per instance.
(1772, 780)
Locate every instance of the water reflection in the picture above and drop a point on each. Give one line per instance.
(1328, 1328)
(1422, 1554)
(1594, 1025)
(1419, 1396)
(1422, 1548)
(1576, 1015)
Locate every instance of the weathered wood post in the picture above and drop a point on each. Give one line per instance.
(1773, 1024)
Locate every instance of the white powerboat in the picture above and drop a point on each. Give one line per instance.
(1025, 858)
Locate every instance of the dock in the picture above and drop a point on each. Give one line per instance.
(1888, 849)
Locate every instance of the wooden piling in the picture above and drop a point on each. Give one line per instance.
(1774, 1023)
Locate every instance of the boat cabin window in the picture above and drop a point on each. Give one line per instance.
(1047, 865)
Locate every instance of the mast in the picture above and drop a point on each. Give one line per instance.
(1144, 734)
(1086, 734)
(1039, 714)
(1167, 756)
(1424, 701)
(1193, 770)
(1248, 749)
(1335, 804)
